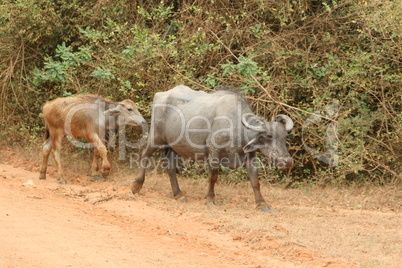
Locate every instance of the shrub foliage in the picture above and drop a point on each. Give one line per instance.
(334, 66)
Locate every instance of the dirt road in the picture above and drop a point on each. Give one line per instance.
(101, 224)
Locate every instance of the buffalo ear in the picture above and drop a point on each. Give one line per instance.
(252, 146)
(113, 112)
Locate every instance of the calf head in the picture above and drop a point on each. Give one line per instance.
(127, 112)
(270, 139)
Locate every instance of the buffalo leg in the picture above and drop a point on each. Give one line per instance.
(95, 164)
(255, 184)
(172, 167)
(213, 177)
(56, 148)
(143, 164)
(47, 148)
(98, 144)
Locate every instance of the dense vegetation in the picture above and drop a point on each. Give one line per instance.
(334, 66)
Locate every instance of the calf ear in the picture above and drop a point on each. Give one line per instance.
(114, 111)
(251, 146)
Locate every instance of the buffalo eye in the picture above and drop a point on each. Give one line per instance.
(130, 109)
(269, 136)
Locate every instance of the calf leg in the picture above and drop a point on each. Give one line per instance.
(255, 184)
(95, 164)
(172, 167)
(102, 151)
(47, 148)
(56, 142)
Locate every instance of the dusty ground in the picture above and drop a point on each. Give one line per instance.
(101, 224)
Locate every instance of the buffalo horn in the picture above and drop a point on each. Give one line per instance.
(259, 128)
(288, 121)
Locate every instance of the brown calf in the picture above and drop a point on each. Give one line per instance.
(85, 116)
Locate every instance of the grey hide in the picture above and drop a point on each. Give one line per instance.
(217, 127)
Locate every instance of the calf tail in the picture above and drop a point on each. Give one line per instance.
(47, 134)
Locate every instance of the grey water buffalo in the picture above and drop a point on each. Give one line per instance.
(217, 127)
(84, 116)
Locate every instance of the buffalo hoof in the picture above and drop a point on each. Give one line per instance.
(265, 209)
(42, 177)
(135, 188)
(262, 206)
(182, 199)
(105, 172)
(96, 177)
(212, 204)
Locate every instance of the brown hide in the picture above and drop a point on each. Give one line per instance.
(85, 116)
